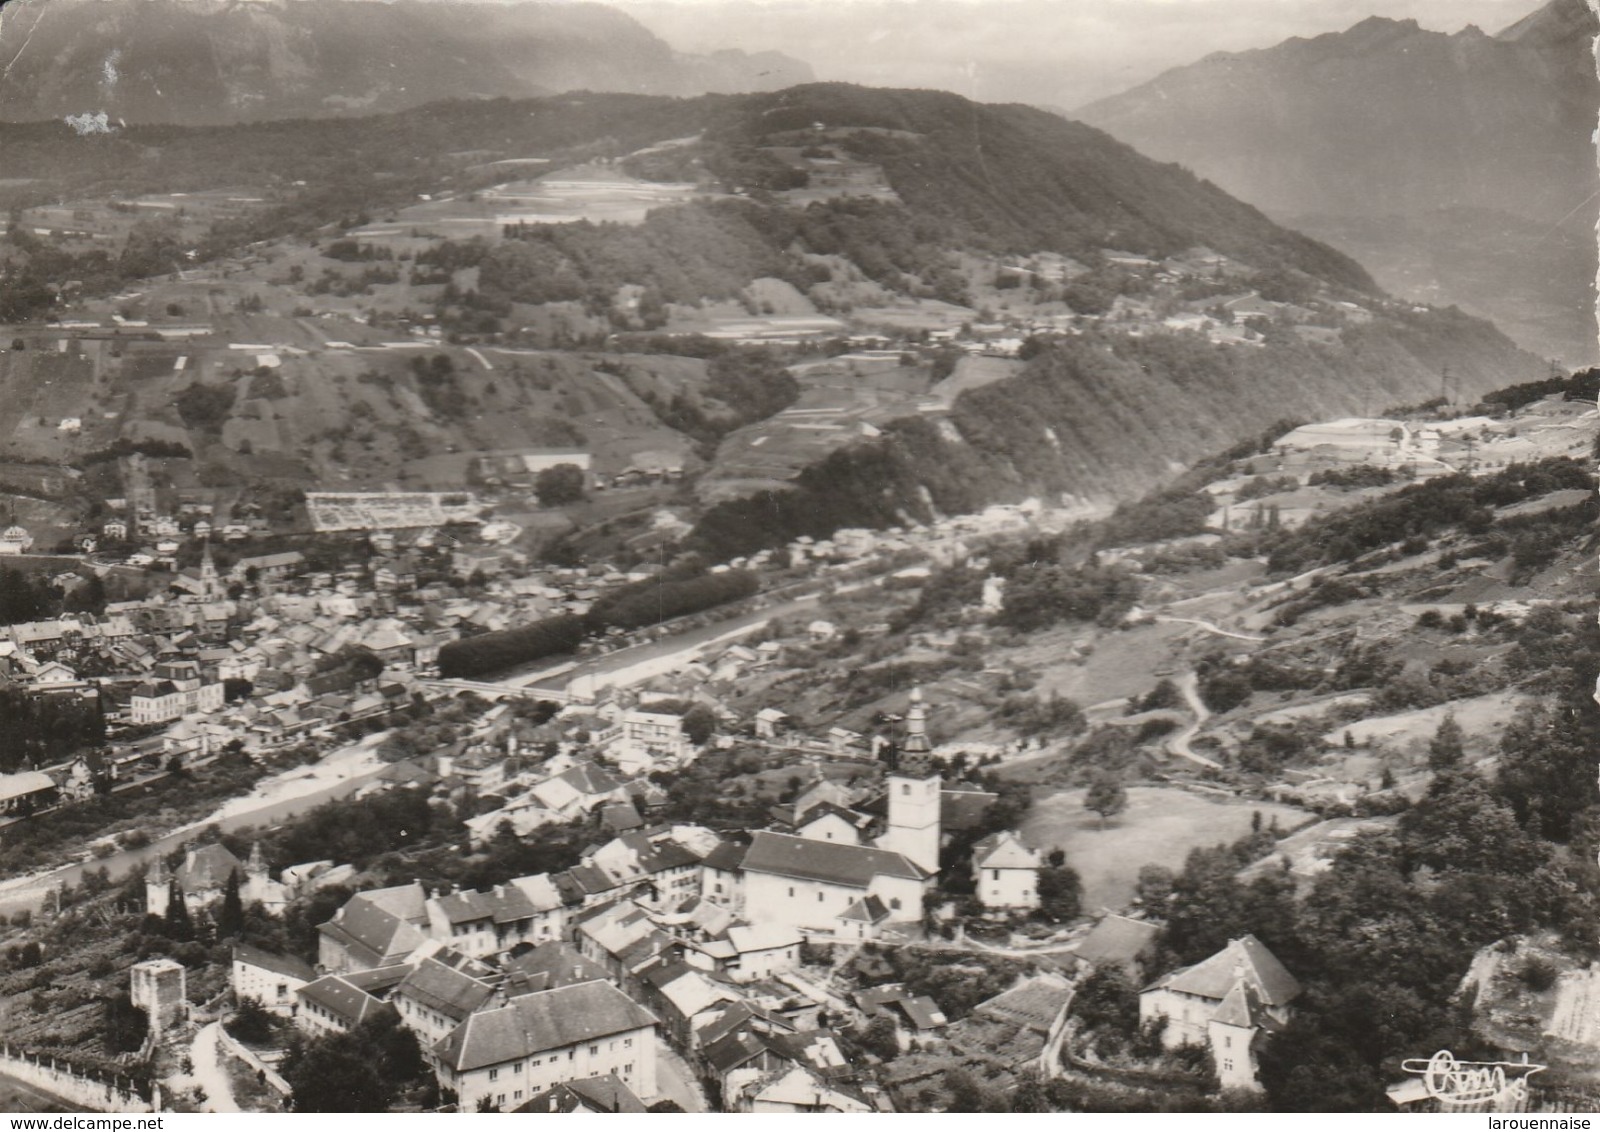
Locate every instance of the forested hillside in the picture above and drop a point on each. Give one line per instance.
(1107, 419)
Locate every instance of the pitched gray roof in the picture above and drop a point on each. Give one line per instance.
(369, 934)
(1243, 960)
(1117, 939)
(207, 867)
(444, 989)
(588, 1094)
(550, 965)
(278, 964)
(546, 1020)
(502, 904)
(829, 861)
(349, 1003)
(961, 805)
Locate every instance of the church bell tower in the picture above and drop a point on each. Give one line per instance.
(914, 789)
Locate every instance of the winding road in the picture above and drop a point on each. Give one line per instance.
(1189, 685)
(1210, 627)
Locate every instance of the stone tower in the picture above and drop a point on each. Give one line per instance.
(914, 789)
(210, 585)
(159, 988)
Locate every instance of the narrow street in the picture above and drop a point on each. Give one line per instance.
(1050, 1056)
(675, 1081)
(207, 1072)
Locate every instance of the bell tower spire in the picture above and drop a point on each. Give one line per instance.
(914, 794)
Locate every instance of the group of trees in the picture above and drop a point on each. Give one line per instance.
(25, 596)
(1581, 385)
(634, 606)
(560, 485)
(659, 599)
(43, 730)
(204, 407)
(744, 385)
(1382, 939)
(438, 387)
(1421, 511)
(1040, 595)
(360, 1070)
(497, 651)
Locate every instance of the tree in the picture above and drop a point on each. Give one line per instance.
(252, 1022)
(1106, 796)
(559, 485)
(333, 1073)
(1224, 688)
(699, 724)
(880, 1038)
(179, 925)
(125, 1024)
(1446, 749)
(1546, 771)
(1108, 998)
(1153, 889)
(230, 920)
(359, 1071)
(1060, 892)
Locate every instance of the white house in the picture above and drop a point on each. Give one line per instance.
(269, 979)
(1230, 1002)
(333, 1004)
(439, 994)
(486, 923)
(1006, 872)
(646, 736)
(178, 688)
(760, 951)
(15, 540)
(503, 1056)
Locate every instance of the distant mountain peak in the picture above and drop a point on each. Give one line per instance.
(1383, 25)
(1557, 21)
(1388, 119)
(205, 62)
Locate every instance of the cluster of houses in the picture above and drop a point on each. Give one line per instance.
(666, 932)
(554, 992)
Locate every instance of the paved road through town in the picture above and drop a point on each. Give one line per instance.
(31, 891)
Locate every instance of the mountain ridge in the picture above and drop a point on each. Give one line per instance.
(1120, 315)
(205, 62)
(1388, 119)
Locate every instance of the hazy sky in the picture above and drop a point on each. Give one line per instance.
(1064, 52)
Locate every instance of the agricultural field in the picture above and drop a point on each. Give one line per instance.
(596, 193)
(80, 224)
(841, 402)
(1159, 827)
(1482, 718)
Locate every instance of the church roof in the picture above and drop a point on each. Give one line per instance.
(832, 862)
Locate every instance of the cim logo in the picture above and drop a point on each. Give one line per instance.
(1473, 1082)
